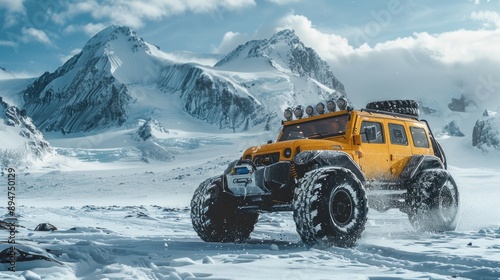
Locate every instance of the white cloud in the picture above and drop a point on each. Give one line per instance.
(14, 8)
(444, 65)
(12, 5)
(89, 28)
(8, 43)
(487, 17)
(283, 2)
(135, 13)
(329, 46)
(230, 41)
(459, 46)
(477, 2)
(35, 35)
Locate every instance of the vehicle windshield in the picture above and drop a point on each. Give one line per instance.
(316, 129)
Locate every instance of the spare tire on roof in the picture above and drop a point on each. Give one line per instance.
(406, 107)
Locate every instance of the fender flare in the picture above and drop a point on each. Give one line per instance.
(323, 158)
(419, 163)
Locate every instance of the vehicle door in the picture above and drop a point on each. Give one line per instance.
(373, 152)
(399, 147)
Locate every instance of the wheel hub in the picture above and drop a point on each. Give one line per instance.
(447, 202)
(341, 207)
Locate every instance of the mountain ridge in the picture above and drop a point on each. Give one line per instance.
(94, 89)
(285, 50)
(22, 142)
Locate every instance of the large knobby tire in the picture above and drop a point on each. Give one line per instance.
(215, 216)
(406, 107)
(433, 201)
(330, 208)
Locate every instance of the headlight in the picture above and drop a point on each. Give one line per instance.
(288, 152)
(342, 103)
(309, 110)
(320, 108)
(288, 114)
(298, 112)
(330, 105)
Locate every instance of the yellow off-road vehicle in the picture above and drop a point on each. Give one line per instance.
(328, 167)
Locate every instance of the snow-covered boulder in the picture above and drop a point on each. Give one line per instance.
(150, 128)
(22, 142)
(151, 141)
(451, 129)
(486, 133)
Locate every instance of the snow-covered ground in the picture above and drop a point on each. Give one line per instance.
(120, 218)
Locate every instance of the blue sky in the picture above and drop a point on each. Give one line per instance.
(38, 36)
(397, 47)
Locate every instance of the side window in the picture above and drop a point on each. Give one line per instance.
(378, 129)
(419, 137)
(398, 134)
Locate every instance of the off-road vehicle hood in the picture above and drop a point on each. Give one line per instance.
(290, 148)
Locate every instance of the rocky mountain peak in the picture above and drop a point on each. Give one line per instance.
(286, 37)
(88, 92)
(22, 142)
(285, 52)
(114, 34)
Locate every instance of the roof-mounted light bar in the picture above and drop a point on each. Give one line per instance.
(319, 109)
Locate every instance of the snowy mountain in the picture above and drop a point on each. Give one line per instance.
(22, 142)
(118, 78)
(285, 52)
(86, 93)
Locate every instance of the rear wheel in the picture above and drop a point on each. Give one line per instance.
(330, 208)
(433, 200)
(215, 216)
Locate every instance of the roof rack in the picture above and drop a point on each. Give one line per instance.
(390, 113)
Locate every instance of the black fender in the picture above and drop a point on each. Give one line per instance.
(321, 158)
(419, 163)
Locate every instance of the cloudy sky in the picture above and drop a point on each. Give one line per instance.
(368, 44)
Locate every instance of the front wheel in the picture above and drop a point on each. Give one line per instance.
(433, 201)
(330, 208)
(215, 216)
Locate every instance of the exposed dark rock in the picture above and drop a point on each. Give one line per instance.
(300, 59)
(45, 227)
(35, 147)
(90, 91)
(452, 129)
(24, 256)
(460, 105)
(485, 134)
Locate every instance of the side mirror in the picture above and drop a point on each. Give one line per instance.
(370, 133)
(269, 141)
